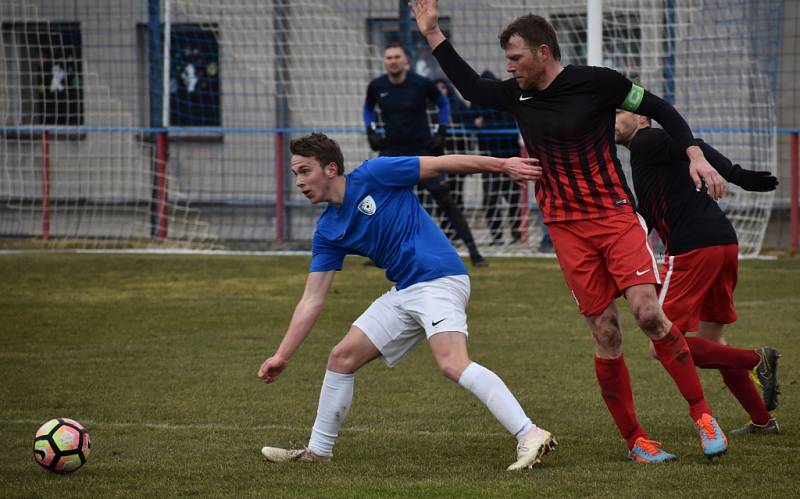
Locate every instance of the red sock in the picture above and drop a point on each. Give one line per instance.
(615, 387)
(673, 352)
(711, 355)
(742, 387)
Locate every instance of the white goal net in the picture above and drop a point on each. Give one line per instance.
(115, 135)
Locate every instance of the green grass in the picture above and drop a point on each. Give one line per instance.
(157, 355)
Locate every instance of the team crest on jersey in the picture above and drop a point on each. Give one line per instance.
(367, 206)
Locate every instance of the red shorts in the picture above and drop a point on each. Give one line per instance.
(698, 286)
(602, 257)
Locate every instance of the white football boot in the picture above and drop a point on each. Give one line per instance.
(278, 455)
(532, 448)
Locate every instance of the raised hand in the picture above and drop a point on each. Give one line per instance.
(427, 14)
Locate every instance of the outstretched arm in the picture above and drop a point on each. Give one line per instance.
(643, 102)
(749, 180)
(475, 89)
(519, 169)
(305, 315)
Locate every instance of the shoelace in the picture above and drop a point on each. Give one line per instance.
(649, 446)
(706, 423)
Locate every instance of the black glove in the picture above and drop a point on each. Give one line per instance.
(750, 180)
(437, 141)
(377, 142)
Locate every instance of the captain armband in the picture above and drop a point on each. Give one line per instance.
(633, 99)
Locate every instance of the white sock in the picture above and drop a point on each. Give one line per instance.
(495, 395)
(335, 398)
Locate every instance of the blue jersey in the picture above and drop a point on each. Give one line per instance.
(381, 218)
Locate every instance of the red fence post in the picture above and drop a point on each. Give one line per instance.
(794, 217)
(45, 186)
(162, 214)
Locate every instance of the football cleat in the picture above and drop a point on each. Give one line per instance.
(649, 451)
(278, 455)
(532, 448)
(714, 442)
(765, 375)
(752, 428)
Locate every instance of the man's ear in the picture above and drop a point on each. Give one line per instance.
(544, 51)
(331, 170)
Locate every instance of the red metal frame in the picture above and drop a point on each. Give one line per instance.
(161, 184)
(794, 217)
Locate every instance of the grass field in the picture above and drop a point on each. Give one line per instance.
(157, 355)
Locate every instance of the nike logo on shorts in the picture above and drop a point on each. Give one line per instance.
(642, 272)
(436, 323)
(521, 98)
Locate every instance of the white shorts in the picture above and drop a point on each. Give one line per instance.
(398, 320)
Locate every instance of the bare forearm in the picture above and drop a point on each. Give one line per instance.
(431, 166)
(694, 153)
(303, 320)
(434, 37)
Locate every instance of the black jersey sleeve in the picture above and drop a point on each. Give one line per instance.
(371, 101)
(718, 160)
(612, 87)
(477, 90)
(668, 117)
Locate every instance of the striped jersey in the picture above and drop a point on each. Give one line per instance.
(685, 218)
(569, 127)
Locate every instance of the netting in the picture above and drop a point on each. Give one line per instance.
(86, 158)
(68, 174)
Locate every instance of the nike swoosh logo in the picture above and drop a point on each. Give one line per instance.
(521, 98)
(643, 272)
(437, 322)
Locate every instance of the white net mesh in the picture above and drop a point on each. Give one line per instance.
(246, 76)
(74, 170)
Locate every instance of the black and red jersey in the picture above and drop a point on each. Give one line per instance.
(569, 127)
(684, 217)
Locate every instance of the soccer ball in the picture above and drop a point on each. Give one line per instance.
(61, 445)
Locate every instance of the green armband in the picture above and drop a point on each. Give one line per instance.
(633, 99)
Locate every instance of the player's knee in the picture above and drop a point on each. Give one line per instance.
(648, 316)
(606, 332)
(451, 372)
(609, 339)
(343, 359)
(452, 368)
